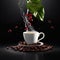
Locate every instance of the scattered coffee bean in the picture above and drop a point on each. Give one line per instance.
(7, 47)
(21, 49)
(23, 46)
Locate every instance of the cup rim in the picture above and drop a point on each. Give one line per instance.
(29, 31)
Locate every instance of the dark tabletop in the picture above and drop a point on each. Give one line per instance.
(9, 54)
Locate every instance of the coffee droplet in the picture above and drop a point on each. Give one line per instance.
(49, 21)
(10, 30)
(52, 27)
(16, 26)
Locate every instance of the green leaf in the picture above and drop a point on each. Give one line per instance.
(41, 13)
(36, 9)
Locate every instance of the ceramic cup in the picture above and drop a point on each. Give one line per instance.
(31, 37)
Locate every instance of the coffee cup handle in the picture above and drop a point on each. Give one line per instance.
(42, 36)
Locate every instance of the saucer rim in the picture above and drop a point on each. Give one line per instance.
(41, 43)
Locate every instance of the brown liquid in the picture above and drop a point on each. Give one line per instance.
(30, 32)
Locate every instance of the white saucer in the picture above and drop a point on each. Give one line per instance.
(41, 43)
(36, 44)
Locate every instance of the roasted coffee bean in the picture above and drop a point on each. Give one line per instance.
(15, 48)
(12, 47)
(21, 42)
(21, 49)
(24, 43)
(33, 49)
(44, 46)
(7, 47)
(23, 46)
(20, 46)
(36, 48)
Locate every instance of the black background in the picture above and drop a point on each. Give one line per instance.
(10, 17)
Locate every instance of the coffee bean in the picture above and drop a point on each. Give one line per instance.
(21, 49)
(15, 48)
(7, 47)
(35, 48)
(24, 43)
(44, 46)
(12, 47)
(23, 46)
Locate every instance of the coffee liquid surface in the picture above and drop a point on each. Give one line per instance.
(30, 32)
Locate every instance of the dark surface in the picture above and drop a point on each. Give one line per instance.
(9, 54)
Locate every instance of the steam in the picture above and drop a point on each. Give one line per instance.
(26, 21)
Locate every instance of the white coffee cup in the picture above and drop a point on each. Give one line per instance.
(31, 37)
